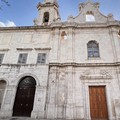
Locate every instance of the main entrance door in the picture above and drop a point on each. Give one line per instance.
(98, 105)
(24, 100)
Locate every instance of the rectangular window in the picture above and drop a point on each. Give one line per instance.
(1, 58)
(41, 58)
(22, 58)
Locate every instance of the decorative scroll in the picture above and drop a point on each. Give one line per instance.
(97, 74)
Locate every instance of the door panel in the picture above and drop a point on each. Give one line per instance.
(98, 105)
(24, 100)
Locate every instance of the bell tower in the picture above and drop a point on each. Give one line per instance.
(47, 12)
(50, 1)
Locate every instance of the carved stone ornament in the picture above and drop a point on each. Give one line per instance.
(61, 98)
(97, 74)
(53, 70)
(52, 78)
(62, 74)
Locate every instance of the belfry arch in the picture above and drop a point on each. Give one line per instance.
(46, 18)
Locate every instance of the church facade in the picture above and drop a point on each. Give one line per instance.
(61, 70)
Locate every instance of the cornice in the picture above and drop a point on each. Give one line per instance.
(20, 28)
(68, 64)
(42, 49)
(24, 49)
(4, 50)
(46, 5)
(86, 64)
(64, 25)
(85, 25)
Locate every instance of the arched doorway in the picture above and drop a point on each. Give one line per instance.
(2, 90)
(24, 100)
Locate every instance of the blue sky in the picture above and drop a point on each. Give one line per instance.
(23, 12)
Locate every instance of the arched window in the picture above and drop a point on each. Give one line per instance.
(93, 49)
(90, 16)
(46, 18)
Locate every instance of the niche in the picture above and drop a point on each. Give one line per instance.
(63, 35)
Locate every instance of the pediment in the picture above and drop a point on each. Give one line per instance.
(90, 7)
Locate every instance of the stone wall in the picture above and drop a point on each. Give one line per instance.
(68, 91)
(12, 74)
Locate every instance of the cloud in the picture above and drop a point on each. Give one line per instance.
(7, 24)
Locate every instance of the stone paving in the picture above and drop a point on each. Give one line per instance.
(20, 118)
(24, 118)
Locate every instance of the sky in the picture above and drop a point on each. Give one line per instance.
(23, 12)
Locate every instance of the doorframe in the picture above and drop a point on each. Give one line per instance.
(3, 99)
(87, 99)
(16, 88)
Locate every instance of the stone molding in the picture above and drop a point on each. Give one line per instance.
(4, 50)
(64, 25)
(42, 48)
(100, 74)
(24, 49)
(116, 64)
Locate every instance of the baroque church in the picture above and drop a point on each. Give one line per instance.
(61, 70)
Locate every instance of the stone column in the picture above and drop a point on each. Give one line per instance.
(39, 102)
(54, 56)
(70, 94)
(79, 95)
(117, 43)
(70, 46)
(8, 101)
(117, 109)
(51, 94)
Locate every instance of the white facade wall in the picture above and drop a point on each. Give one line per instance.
(62, 89)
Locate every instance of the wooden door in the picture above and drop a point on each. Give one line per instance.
(24, 100)
(98, 105)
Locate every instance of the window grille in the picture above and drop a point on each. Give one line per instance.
(93, 49)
